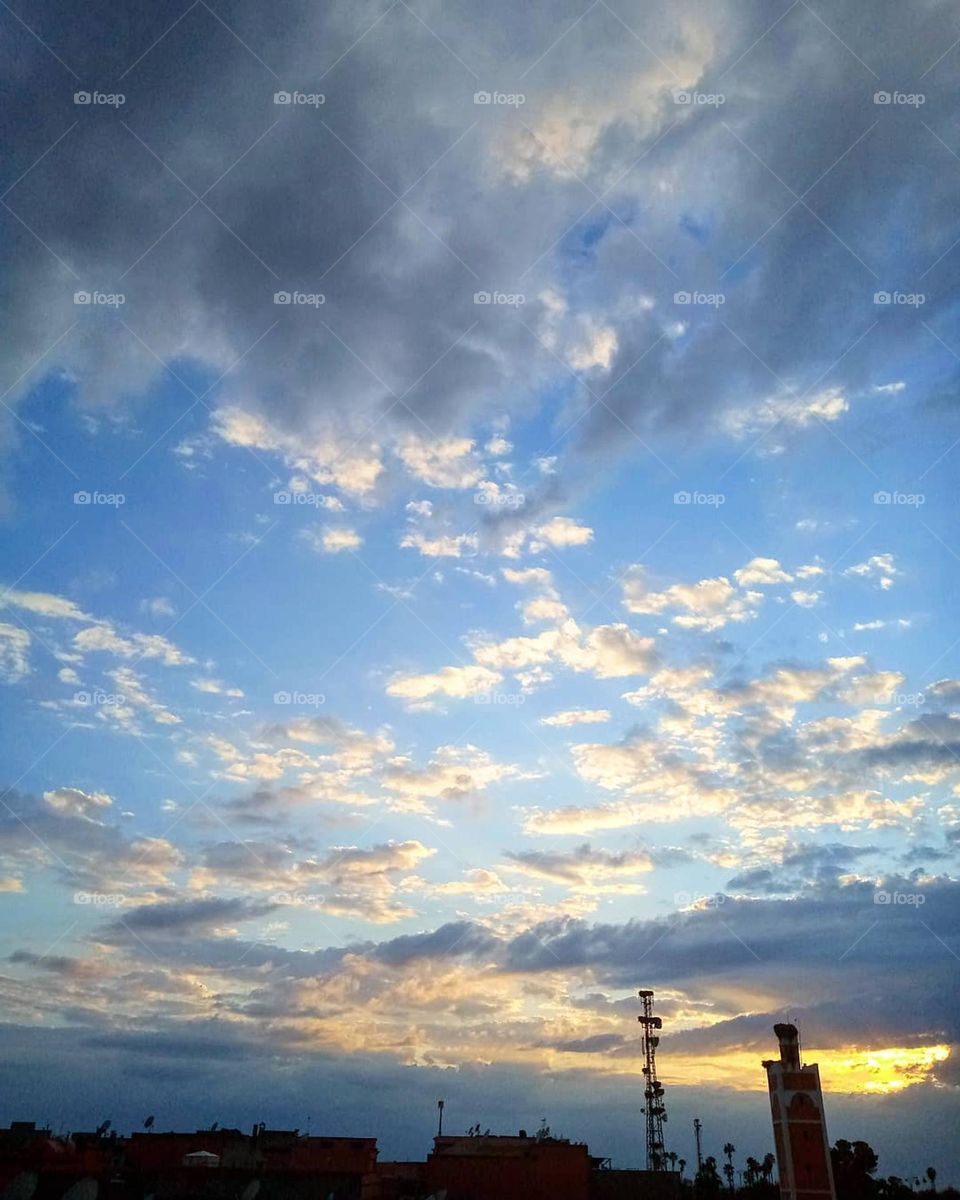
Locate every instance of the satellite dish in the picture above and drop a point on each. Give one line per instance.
(148, 1123)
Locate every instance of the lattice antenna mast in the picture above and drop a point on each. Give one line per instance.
(653, 1108)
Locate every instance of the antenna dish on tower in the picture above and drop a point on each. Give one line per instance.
(653, 1108)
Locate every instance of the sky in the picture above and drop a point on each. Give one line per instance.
(478, 519)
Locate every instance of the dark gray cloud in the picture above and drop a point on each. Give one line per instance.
(189, 916)
(794, 198)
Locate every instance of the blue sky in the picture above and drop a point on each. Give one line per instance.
(465, 561)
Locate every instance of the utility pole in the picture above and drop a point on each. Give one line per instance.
(697, 1126)
(439, 1118)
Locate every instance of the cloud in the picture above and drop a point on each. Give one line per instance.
(453, 773)
(879, 569)
(455, 682)
(14, 647)
(327, 457)
(74, 803)
(68, 831)
(216, 687)
(761, 572)
(158, 607)
(787, 412)
(577, 716)
(104, 639)
(461, 545)
(334, 540)
(560, 532)
(44, 604)
(607, 651)
(709, 604)
(441, 462)
(188, 917)
(585, 869)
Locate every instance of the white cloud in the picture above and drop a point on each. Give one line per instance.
(461, 545)
(216, 687)
(577, 716)
(455, 682)
(75, 803)
(761, 571)
(879, 568)
(335, 540)
(441, 462)
(607, 651)
(453, 773)
(597, 348)
(561, 531)
(709, 604)
(538, 576)
(105, 639)
(44, 604)
(787, 412)
(544, 608)
(14, 645)
(157, 607)
(324, 458)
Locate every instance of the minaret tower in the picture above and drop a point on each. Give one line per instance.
(799, 1124)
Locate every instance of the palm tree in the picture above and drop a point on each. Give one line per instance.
(671, 1155)
(682, 1163)
(932, 1176)
(766, 1167)
(729, 1150)
(753, 1171)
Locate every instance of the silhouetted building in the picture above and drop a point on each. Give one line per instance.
(799, 1124)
